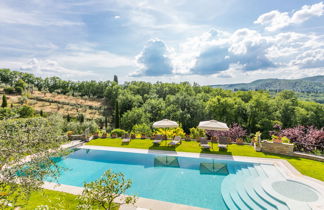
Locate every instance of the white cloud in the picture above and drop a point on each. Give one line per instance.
(222, 53)
(154, 60)
(275, 20)
(47, 68)
(93, 59)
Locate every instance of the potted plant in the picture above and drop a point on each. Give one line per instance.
(276, 139)
(95, 135)
(104, 135)
(239, 141)
(187, 138)
(113, 135)
(133, 136)
(143, 136)
(69, 134)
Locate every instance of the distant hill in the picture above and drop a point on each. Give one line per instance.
(304, 85)
(308, 88)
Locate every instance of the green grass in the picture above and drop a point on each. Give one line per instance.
(307, 167)
(54, 200)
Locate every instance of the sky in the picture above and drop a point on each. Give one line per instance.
(206, 41)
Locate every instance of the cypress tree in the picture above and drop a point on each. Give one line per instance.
(68, 118)
(116, 79)
(116, 115)
(81, 118)
(106, 122)
(4, 101)
(41, 113)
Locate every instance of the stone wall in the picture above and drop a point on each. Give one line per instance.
(279, 148)
(309, 156)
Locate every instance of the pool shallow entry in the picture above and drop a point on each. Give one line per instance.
(295, 190)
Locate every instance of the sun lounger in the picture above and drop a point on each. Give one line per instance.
(204, 144)
(175, 141)
(126, 140)
(158, 139)
(222, 142)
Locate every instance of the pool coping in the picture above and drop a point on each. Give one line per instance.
(286, 169)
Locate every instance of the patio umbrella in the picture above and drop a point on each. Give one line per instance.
(165, 124)
(213, 125)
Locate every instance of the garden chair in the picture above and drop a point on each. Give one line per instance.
(204, 143)
(222, 142)
(126, 138)
(158, 139)
(176, 140)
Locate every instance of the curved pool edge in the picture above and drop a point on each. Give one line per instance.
(286, 169)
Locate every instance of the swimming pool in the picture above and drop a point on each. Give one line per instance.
(201, 182)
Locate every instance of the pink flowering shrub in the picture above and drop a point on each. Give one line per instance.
(306, 138)
(235, 132)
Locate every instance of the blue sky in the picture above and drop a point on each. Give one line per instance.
(206, 41)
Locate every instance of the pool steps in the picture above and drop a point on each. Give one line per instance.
(242, 188)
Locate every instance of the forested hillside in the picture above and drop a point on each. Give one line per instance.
(304, 85)
(309, 88)
(132, 103)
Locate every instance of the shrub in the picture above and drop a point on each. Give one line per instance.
(105, 190)
(196, 133)
(234, 132)
(142, 129)
(19, 90)
(171, 132)
(26, 111)
(4, 101)
(118, 132)
(307, 139)
(88, 127)
(9, 90)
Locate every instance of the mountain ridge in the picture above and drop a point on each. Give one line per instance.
(313, 84)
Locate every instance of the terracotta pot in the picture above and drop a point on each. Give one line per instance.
(113, 135)
(278, 141)
(143, 136)
(239, 141)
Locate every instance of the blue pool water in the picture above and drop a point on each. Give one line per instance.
(183, 180)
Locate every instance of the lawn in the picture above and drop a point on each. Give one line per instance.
(307, 167)
(54, 200)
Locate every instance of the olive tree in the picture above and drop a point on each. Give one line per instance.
(27, 148)
(105, 190)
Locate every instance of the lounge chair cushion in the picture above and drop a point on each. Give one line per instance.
(157, 141)
(125, 140)
(222, 145)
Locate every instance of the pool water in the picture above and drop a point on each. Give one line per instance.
(190, 181)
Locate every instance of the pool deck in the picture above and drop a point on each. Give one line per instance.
(289, 172)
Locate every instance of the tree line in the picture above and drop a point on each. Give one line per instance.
(138, 102)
